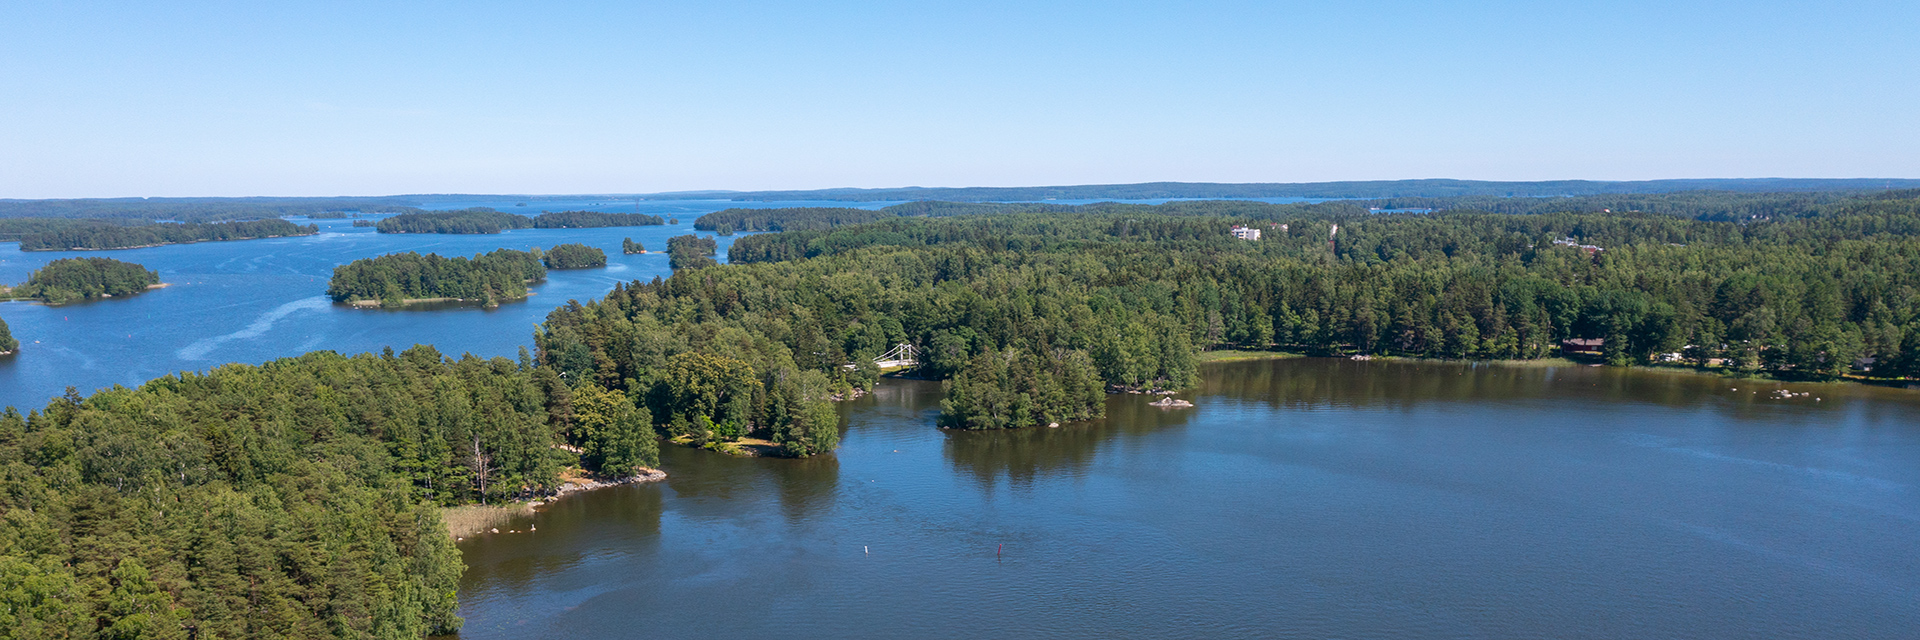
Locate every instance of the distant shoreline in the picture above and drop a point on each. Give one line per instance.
(165, 244)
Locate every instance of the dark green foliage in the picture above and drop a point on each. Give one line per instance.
(575, 256)
(292, 499)
(691, 252)
(74, 279)
(7, 343)
(1010, 389)
(614, 435)
(629, 247)
(12, 229)
(473, 220)
(593, 219)
(113, 236)
(500, 275)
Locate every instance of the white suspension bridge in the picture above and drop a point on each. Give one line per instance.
(902, 356)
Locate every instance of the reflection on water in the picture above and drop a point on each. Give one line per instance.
(1305, 497)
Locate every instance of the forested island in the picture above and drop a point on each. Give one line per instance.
(629, 247)
(113, 236)
(691, 252)
(471, 220)
(486, 220)
(575, 256)
(593, 219)
(397, 279)
(75, 279)
(8, 345)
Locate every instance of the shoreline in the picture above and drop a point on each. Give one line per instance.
(407, 302)
(166, 244)
(470, 520)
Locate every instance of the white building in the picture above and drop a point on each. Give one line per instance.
(1246, 233)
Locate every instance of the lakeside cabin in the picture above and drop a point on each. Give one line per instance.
(1582, 346)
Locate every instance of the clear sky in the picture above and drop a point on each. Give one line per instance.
(349, 98)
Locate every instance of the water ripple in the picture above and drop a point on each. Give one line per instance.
(260, 325)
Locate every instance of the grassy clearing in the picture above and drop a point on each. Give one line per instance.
(1234, 355)
(476, 518)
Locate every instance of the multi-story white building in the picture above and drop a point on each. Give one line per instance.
(1246, 233)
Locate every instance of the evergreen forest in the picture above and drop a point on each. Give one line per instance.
(75, 279)
(593, 219)
(472, 220)
(115, 236)
(396, 278)
(575, 256)
(691, 251)
(7, 343)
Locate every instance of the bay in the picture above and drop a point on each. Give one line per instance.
(1301, 498)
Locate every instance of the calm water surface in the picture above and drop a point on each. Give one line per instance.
(1302, 498)
(255, 300)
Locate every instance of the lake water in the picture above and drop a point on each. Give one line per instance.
(1301, 498)
(1307, 498)
(255, 300)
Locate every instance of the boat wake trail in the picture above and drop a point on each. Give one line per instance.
(260, 325)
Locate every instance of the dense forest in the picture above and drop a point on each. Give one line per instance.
(629, 247)
(472, 220)
(486, 220)
(691, 252)
(73, 279)
(593, 219)
(294, 499)
(7, 343)
(396, 278)
(113, 236)
(1026, 312)
(575, 256)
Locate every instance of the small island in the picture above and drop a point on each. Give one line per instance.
(487, 220)
(8, 345)
(629, 247)
(76, 279)
(104, 236)
(575, 256)
(691, 252)
(399, 279)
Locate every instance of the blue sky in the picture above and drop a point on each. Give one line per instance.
(345, 98)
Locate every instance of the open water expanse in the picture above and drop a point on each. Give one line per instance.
(1307, 498)
(255, 300)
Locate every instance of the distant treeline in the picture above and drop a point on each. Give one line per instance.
(593, 219)
(472, 220)
(691, 252)
(486, 220)
(111, 236)
(395, 278)
(1805, 295)
(198, 209)
(1699, 205)
(75, 279)
(575, 256)
(12, 229)
(1329, 190)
